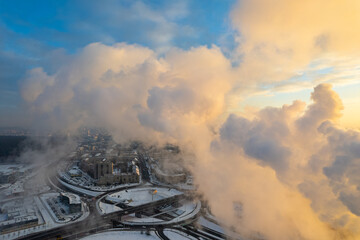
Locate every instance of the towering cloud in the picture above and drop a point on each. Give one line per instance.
(132, 91)
(327, 106)
(283, 158)
(292, 171)
(279, 38)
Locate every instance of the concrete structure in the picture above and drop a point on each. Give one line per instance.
(15, 216)
(171, 178)
(18, 222)
(116, 165)
(72, 201)
(119, 177)
(122, 178)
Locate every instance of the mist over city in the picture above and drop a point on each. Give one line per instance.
(233, 119)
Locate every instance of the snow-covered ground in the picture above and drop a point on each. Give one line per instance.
(133, 197)
(190, 210)
(46, 222)
(10, 168)
(66, 218)
(128, 235)
(185, 186)
(140, 196)
(186, 211)
(86, 182)
(4, 186)
(181, 186)
(36, 184)
(106, 208)
(80, 190)
(208, 224)
(211, 222)
(132, 220)
(47, 213)
(174, 234)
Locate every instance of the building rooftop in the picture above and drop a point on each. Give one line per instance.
(73, 199)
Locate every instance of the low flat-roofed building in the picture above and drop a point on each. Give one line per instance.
(18, 223)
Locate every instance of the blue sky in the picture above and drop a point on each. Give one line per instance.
(33, 32)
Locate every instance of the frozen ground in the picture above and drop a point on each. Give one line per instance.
(128, 235)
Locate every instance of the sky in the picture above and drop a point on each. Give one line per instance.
(44, 33)
(32, 32)
(35, 32)
(266, 89)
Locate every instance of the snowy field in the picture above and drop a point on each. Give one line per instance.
(128, 235)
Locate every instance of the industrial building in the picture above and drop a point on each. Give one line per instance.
(18, 223)
(15, 217)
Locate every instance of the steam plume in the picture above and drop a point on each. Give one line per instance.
(293, 169)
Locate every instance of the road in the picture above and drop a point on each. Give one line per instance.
(96, 222)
